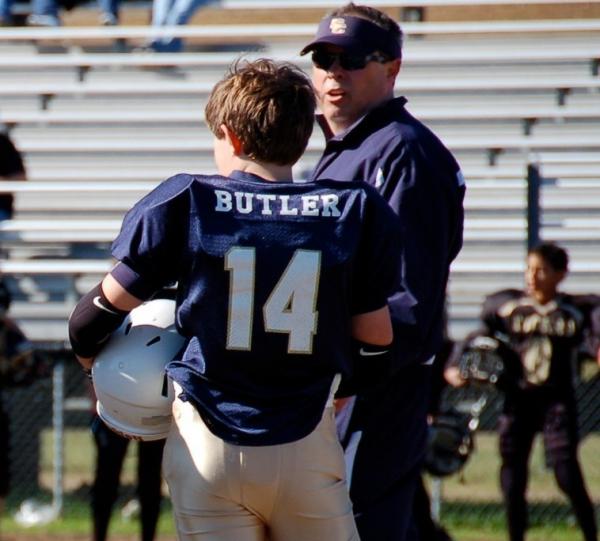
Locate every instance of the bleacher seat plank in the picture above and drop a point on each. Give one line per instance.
(452, 55)
(329, 4)
(517, 112)
(281, 31)
(74, 267)
(204, 144)
(407, 85)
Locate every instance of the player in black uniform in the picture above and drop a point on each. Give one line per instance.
(281, 288)
(547, 329)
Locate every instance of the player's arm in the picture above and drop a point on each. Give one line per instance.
(452, 373)
(149, 239)
(373, 328)
(375, 279)
(118, 295)
(371, 351)
(96, 316)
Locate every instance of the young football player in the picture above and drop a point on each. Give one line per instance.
(281, 288)
(546, 329)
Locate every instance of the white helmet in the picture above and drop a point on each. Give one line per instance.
(134, 396)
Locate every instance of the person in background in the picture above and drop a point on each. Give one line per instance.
(43, 13)
(11, 168)
(373, 139)
(111, 450)
(46, 12)
(172, 13)
(544, 330)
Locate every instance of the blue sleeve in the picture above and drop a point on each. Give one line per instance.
(380, 246)
(151, 243)
(426, 189)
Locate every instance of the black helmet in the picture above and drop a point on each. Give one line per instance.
(450, 443)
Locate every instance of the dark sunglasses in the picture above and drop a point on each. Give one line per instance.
(324, 60)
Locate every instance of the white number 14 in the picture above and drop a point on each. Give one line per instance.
(291, 307)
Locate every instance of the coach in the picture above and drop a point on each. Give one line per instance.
(371, 137)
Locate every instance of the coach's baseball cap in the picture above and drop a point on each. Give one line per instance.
(356, 35)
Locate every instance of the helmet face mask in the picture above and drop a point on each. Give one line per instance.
(488, 361)
(482, 362)
(134, 396)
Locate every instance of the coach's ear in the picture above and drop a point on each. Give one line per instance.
(234, 141)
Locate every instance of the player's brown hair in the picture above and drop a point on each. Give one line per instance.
(269, 106)
(373, 15)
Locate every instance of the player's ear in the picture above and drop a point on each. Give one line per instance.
(234, 141)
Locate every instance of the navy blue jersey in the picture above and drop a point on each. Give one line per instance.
(268, 277)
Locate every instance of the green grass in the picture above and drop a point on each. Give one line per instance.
(80, 458)
(534, 534)
(471, 509)
(76, 519)
(463, 525)
(478, 481)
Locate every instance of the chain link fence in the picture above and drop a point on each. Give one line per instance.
(52, 453)
(51, 448)
(473, 494)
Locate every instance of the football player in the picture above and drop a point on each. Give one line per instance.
(546, 329)
(281, 288)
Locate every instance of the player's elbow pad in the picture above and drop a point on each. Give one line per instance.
(371, 366)
(92, 321)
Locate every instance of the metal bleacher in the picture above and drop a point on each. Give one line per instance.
(100, 125)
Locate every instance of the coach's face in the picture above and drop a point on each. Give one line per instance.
(345, 95)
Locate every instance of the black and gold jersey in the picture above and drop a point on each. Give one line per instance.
(548, 338)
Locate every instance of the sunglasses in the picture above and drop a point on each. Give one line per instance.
(324, 60)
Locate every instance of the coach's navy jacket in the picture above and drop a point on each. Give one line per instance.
(394, 152)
